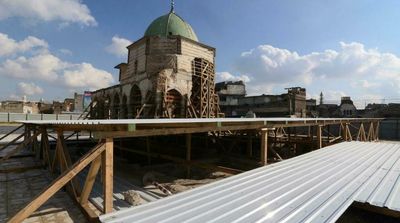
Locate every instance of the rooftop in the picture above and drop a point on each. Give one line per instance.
(315, 187)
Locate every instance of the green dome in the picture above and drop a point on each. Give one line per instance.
(170, 25)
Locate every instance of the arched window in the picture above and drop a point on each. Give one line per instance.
(107, 107)
(174, 104)
(116, 107)
(135, 101)
(124, 108)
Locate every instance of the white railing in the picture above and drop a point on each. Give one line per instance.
(13, 117)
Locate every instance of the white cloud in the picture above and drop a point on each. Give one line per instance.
(10, 46)
(29, 89)
(118, 46)
(44, 66)
(86, 76)
(226, 76)
(353, 69)
(65, 11)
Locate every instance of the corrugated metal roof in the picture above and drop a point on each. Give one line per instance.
(315, 187)
(184, 120)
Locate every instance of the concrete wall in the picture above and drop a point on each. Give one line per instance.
(13, 117)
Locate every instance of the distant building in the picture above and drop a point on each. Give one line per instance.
(235, 103)
(229, 93)
(19, 107)
(69, 105)
(311, 108)
(328, 110)
(57, 107)
(375, 107)
(347, 108)
(78, 102)
(45, 108)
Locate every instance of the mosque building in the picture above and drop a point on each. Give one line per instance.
(168, 74)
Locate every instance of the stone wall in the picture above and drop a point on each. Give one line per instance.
(156, 66)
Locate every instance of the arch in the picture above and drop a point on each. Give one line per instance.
(100, 109)
(174, 104)
(124, 108)
(116, 107)
(135, 101)
(107, 107)
(94, 110)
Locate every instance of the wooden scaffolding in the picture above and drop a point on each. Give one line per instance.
(203, 102)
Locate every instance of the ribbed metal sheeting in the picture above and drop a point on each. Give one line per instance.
(184, 120)
(315, 187)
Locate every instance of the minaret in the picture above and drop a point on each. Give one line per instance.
(321, 99)
(172, 6)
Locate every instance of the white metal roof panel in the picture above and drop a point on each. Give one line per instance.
(315, 187)
(182, 120)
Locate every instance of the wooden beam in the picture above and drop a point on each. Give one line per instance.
(14, 130)
(57, 184)
(66, 159)
(171, 131)
(348, 132)
(377, 131)
(370, 136)
(108, 162)
(90, 179)
(264, 146)
(361, 136)
(275, 153)
(200, 164)
(319, 136)
(13, 141)
(19, 147)
(45, 149)
(249, 144)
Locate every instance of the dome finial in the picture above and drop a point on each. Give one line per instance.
(172, 6)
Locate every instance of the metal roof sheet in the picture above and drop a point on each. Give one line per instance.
(183, 120)
(315, 187)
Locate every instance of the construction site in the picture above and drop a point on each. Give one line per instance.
(157, 148)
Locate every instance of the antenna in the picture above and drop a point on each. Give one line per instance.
(172, 6)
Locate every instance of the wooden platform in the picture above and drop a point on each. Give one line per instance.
(98, 161)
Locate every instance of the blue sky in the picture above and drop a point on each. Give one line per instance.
(339, 47)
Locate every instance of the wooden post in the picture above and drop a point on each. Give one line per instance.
(249, 144)
(311, 135)
(329, 132)
(371, 132)
(17, 149)
(188, 153)
(319, 136)
(65, 162)
(148, 150)
(361, 133)
(348, 133)
(377, 131)
(264, 146)
(35, 146)
(107, 162)
(45, 149)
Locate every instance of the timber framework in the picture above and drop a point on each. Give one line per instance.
(271, 134)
